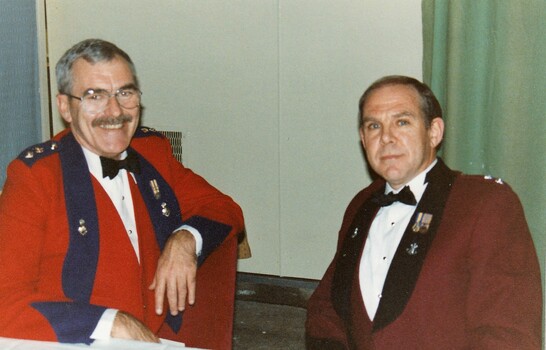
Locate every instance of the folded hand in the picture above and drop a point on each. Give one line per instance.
(176, 273)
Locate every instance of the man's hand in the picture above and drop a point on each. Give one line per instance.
(127, 327)
(176, 273)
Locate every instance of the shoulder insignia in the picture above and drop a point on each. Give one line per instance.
(496, 180)
(34, 153)
(145, 131)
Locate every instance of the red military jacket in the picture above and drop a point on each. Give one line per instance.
(468, 280)
(64, 254)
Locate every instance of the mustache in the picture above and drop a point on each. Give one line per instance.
(111, 120)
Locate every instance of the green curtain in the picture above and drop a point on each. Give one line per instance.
(486, 61)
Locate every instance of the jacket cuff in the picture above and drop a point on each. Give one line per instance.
(72, 322)
(212, 232)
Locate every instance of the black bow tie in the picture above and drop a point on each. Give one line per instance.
(405, 196)
(110, 167)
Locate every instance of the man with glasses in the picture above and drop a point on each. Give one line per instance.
(101, 229)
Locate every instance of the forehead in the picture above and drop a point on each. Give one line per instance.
(111, 74)
(394, 99)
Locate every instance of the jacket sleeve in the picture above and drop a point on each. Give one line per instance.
(504, 301)
(28, 310)
(324, 329)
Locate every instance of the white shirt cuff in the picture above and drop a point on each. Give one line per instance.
(196, 235)
(103, 330)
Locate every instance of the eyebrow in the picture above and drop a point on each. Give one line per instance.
(368, 119)
(403, 114)
(129, 86)
(396, 115)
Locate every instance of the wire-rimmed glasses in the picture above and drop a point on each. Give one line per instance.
(95, 101)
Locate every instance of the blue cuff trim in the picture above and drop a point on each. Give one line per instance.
(213, 234)
(72, 322)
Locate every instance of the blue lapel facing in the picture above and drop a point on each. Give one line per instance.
(164, 211)
(160, 200)
(80, 264)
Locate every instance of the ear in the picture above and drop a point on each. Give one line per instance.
(63, 105)
(436, 131)
(361, 132)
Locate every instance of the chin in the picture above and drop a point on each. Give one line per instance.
(394, 179)
(390, 172)
(117, 149)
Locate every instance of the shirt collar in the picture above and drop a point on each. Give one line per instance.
(94, 164)
(417, 184)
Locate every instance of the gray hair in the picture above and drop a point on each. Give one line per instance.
(93, 51)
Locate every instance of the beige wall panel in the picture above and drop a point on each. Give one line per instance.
(330, 52)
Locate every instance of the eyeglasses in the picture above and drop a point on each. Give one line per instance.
(95, 101)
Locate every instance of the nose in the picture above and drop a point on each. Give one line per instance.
(386, 135)
(113, 108)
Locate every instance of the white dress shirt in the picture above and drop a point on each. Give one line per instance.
(120, 194)
(119, 191)
(383, 239)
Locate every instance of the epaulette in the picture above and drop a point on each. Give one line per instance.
(497, 180)
(42, 150)
(144, 131)
(487, 178)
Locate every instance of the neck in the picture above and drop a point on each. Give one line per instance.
(425, 171)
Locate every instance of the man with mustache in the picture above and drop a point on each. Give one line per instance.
(101, 229)
(427, 257)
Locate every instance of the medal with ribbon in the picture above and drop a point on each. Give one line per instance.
(422, 223)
